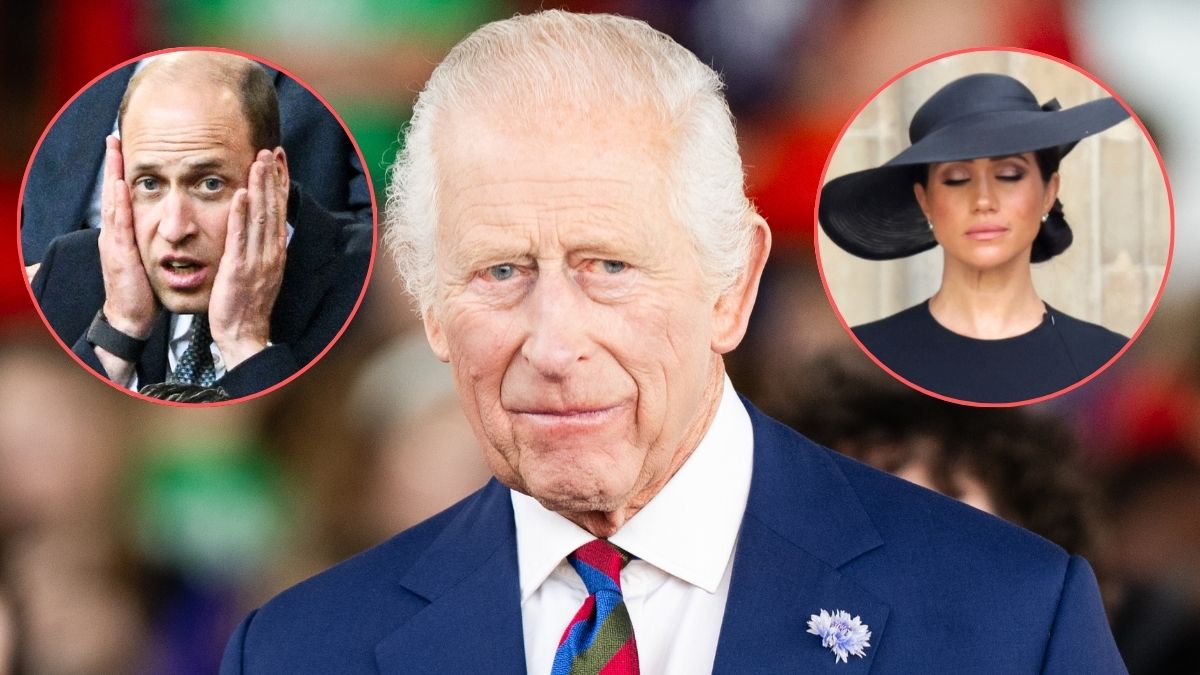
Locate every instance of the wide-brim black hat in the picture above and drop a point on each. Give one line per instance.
(873, 214)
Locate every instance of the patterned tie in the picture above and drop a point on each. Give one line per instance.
(196, 365)
(599, 640)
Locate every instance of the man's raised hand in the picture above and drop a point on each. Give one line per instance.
(251, 268)
(129, 302)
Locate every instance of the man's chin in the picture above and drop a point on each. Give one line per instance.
(182, 303)
(577, 495)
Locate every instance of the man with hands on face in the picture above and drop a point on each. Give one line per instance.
(210, 266)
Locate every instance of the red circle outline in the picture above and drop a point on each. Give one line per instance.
(1145, 134)
(366, 279)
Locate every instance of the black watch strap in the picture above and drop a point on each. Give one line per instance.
(102, 334)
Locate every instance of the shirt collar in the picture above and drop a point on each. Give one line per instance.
(687, 530)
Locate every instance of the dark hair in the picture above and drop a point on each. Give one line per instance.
(260, 105)
(1028, 463)
(1054, 236)
(255, 90)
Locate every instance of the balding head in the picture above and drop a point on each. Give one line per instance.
(246, 80)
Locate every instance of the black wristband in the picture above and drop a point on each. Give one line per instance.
(102, 334)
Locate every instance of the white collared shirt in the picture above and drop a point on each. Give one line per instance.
(684, 541)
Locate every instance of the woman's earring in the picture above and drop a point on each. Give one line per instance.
(930, 223)
(1045, 217)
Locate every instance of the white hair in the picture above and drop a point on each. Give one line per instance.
(593, 63)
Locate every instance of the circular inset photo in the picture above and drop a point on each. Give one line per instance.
(196, 226)
(995, 227)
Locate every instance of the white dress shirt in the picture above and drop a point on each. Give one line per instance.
(684, 540)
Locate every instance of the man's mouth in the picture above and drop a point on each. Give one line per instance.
(581, 416)
(183, 273)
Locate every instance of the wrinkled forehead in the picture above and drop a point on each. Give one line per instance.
(571, 161)
(558, 200)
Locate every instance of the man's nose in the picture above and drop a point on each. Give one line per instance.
(175, 219)
(559, 324)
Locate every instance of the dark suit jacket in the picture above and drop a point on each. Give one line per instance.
(327, 262)
(943, 587)
(64, 170)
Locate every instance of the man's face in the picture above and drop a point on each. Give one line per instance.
(573, 309)
(187, 150)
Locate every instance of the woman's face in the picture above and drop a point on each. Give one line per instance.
(986, 212)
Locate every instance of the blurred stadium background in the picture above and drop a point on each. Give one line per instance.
(133, 537)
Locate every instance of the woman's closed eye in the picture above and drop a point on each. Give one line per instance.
(1011, 176)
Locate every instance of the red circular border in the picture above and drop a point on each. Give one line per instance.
(817, 229)
(366, 279)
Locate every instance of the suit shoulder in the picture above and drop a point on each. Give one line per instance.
(356, 238)
(74, 249)
(906, 511)
(69, 285)
(910, 516)
(332, 621)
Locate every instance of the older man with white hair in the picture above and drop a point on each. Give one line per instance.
(569, 211)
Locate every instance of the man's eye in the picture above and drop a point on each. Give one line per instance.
(502, 272)
(147, 184)
(212, 184)
(614, 266)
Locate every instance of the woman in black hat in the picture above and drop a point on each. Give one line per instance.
(981, 179)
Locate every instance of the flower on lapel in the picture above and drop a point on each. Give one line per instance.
(840, 633)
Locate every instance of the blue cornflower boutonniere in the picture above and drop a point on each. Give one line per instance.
(840, 633)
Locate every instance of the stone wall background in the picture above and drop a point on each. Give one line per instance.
(1112, 189)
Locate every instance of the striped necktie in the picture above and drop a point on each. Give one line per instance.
(599, 640)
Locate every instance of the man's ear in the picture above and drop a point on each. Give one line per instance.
(280, 159)
(731, 313)
(435, 336)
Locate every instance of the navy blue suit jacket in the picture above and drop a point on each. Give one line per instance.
(327, 263)
(943, 587)
(63, 174)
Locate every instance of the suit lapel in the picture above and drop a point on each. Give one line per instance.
(803, 521)
(307, 272)
(472, 623)
(152, 366)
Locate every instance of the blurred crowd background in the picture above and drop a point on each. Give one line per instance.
(134, 536)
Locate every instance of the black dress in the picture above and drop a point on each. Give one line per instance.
(1058, 353)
